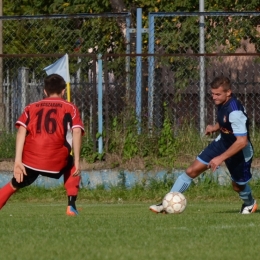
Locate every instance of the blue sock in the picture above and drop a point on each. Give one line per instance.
(182, 183)
(246, 196)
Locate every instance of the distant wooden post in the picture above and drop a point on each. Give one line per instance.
(23, 79)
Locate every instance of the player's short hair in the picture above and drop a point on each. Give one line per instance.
(54, 84)
(221, 81)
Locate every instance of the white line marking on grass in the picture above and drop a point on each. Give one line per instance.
(234, 226)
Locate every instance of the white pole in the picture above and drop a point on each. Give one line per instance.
(202, 70)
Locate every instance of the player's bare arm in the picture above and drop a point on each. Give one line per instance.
(238, 145)
(211, 129)
(19, 170)
(76, 144)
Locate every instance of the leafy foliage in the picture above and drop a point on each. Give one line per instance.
(7, 145)
(167, 141)
(167, 150)
(104, 35)
(62, 35)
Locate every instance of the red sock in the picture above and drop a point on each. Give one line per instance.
(5, 193)
(71, 183)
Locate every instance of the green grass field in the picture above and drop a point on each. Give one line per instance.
(205, 230)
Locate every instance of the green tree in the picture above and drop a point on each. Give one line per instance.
(180, 41)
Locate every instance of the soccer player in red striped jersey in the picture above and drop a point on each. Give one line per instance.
(48, 130)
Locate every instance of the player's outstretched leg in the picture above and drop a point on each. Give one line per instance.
(249, 206)
(5, 193)
(181, 184)
(71, 184)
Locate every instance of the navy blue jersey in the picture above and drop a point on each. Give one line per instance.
(233, 121)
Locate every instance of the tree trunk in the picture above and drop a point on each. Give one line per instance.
(119, 6)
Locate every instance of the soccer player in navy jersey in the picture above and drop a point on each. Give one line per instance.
(48, 130)
(232, 146)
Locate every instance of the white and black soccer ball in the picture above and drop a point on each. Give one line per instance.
(174, 202)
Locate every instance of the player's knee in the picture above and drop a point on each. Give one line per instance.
(191, 172)
(237, 187)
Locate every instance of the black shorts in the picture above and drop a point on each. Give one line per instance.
(240, 170)
(32, 175)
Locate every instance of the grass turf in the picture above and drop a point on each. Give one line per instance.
(205, 230)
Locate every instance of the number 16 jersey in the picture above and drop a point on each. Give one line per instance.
(48, 142)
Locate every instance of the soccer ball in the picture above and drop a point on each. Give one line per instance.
(174, 202)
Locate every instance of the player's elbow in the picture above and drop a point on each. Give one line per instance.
(77, 130)
(243, 143)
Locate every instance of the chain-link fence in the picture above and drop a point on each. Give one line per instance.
(177, 95)
(81, 33)
(23, 83)
(175, 74)
(204, 33)
(30, 43)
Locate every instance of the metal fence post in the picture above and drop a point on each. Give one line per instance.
(139, 68)
(151, 72)
(127, 65)
(202, 70)
(100, 107)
